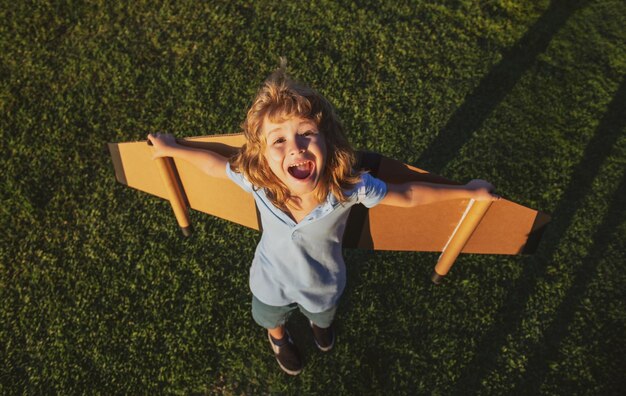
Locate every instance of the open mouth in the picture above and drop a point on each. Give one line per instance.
(301, 170)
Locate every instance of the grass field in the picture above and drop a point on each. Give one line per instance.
(99, 292)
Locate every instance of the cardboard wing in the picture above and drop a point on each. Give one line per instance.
(451, 227)
(135, 168)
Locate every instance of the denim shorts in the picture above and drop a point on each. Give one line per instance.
(270, 316)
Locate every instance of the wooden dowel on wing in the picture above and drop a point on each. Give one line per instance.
(469, 221)
(174, 192)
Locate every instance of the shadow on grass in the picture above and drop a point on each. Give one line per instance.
(511, 314)
(495, 86)
(538, 362)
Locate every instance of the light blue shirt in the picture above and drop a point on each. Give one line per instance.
(302, 262)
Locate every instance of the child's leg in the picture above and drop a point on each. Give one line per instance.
(277, 332)
(273, 319)
(320, 319)
(321, 324)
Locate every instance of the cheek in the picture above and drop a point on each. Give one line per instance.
(273, 157)
(321, 144)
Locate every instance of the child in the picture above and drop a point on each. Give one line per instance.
(299, 167)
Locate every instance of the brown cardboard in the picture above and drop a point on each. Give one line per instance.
(135, 168)
(506, 228)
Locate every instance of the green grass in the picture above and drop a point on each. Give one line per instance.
(100, 293)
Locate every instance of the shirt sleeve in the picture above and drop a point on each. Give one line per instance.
(239, 179)
(371, 190)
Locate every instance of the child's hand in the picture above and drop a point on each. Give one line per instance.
(161, 144)
(482, 190)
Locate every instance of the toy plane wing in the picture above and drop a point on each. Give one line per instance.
(451, 227)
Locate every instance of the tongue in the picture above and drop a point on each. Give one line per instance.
(300, 172)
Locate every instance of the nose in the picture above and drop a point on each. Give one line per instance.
(297, 146)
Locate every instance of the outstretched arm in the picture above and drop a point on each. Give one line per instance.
(418, 193)
(208, 162)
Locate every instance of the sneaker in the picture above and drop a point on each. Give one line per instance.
(324, 338)
(287, 354)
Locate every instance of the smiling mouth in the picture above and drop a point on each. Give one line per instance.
(301, 170)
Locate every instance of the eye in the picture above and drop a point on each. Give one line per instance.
(279, 140)
(309, 133)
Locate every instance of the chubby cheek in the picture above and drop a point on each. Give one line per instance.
(274, 160)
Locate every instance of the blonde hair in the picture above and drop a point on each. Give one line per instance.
(281, 98)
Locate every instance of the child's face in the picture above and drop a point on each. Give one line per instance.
(296, 152)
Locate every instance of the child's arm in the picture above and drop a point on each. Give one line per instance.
(209, 162)
(417, 193)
